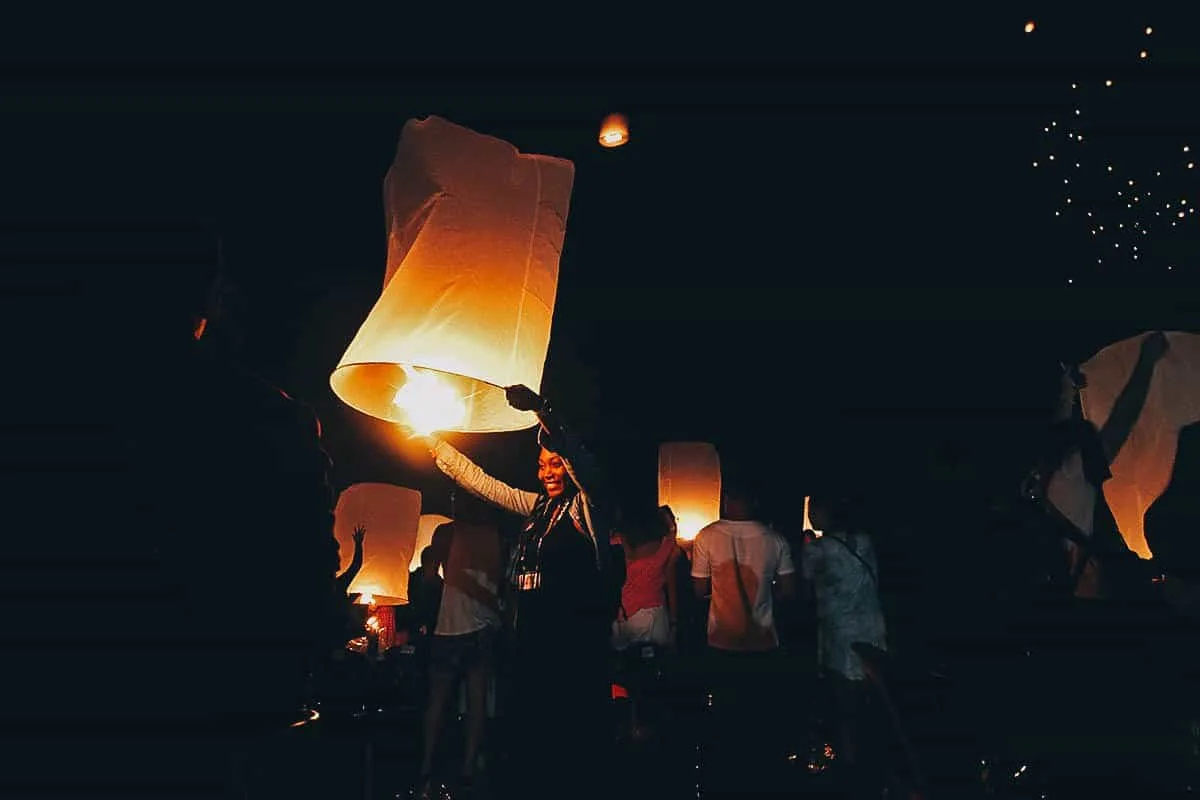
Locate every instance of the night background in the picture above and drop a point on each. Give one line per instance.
(842, 268)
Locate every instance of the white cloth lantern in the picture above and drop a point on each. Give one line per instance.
(475, 231)
(390, 514)
(1142, 468)
(689, 481)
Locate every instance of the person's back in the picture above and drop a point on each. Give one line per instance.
(473, 572)
(743, 558)
(841, 567)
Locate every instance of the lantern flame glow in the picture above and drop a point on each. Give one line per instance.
(689, 524)
(614, 131)
(689, 481)
(429, 404)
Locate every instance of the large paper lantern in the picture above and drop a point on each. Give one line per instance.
(475, 230)
(1142, 468)
(390, 515)
(426, 525)
(689, 481)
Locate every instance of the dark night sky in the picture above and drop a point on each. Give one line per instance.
(827, 265)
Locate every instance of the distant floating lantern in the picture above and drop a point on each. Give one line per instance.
(475, 229)
(390, 514)
(426, 525)
(1029, 26)
(614, 131)
(689, 481)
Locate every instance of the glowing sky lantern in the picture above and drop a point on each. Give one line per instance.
(689, 481)
(1030, 26)
(475, 229)
(614, 131)
(1142, 468)
(390, 515)
(426, 525)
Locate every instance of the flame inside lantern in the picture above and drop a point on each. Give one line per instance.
(428, 403)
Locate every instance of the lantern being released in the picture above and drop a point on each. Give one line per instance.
(390, 514)
(614, 131)
(689, 481)
(475, 230)
(1143, 466)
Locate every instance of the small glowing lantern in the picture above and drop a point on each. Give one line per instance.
(1030, 26)
(426, 525)
(614, 131)
(689, 481)
(1142, 468)
(475, 229)
(390, 514)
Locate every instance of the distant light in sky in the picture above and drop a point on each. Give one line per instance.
(1030, 26)
(1088, 174)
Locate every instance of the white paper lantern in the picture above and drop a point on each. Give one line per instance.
(475, 231)
(1142, 468)
(390, 514)
(689, 481)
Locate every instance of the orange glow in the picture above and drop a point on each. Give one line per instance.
(1143, 467)
(429, 403)
(475, 229)
(390, 514)
(1030, 26)
(614, 131)
(689, 481)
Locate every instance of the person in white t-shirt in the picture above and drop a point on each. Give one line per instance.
(468, 552)
(740, 564)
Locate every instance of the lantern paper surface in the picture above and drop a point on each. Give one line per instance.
(390, 514)
(1142, 468)
(475, 231)
(689, 481)
(426, 525)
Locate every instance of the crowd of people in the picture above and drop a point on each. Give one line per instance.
(589, 585)
(231, 476)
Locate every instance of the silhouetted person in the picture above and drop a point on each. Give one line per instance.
(1075, 466)
(1172, 523)
(468, 622)
(346, 578)
(196, 550)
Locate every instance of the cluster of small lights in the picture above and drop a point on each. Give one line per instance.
(1125, 207)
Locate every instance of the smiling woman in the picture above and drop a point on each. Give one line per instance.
(561, 597)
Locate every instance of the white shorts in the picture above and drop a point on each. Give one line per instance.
(646, 626)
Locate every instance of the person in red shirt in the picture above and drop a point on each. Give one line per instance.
(648, 596)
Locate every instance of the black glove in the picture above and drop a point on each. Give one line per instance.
(523, 398)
